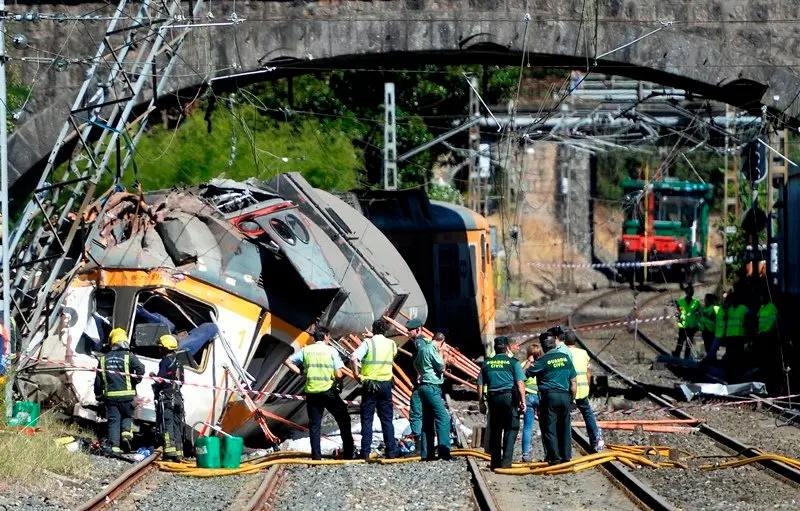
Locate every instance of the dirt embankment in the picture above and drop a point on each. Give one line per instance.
(531, 270)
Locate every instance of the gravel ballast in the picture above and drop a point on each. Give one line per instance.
(165, 491)
(51, 492)
(744, 488)
(436, 485)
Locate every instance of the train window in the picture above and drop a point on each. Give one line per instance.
(283, 230)
(449, 271)
(100, 322)
(298, 228)
(250, 227)
(473, 260)
(483, 253)
(488, 254)
(162, 311)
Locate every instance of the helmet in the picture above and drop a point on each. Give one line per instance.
(168, 341)
(117, 336)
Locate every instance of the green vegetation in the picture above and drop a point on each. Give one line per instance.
(16, 93)
(261, 148)
(26, 457)
(329, 126)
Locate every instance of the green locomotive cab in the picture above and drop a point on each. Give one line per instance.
(664, 221)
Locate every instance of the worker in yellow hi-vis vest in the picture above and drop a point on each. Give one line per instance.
(376, 356)
(323, 369)
(580, 359)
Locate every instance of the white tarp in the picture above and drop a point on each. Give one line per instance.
(333, 440)
(691, 390)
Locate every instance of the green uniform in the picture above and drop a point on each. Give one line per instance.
(500, 375)
(435, 417)
(553, 373)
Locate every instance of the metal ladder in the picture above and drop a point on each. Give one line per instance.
(134, 60)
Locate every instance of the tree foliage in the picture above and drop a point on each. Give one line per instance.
(244, 144)
(328, 125)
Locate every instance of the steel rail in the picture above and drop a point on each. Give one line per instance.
(265, 493)
(721, 438)
(636, 490)
(122, 485)
(481, 493)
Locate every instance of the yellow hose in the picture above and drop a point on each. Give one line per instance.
(630, 455)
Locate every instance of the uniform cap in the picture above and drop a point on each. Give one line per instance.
(555, 331)
(500, 342)
(168, 341)
(413, 323)
(545, 335)
(117, 336)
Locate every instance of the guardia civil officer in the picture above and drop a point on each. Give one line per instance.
(322, 367)
(415, 335)
(169, 401)
(505, 391)
(430, 365)
(556, 378)
(376, 355)
(115, 388)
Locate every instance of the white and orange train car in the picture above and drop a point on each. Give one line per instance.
(240, 273)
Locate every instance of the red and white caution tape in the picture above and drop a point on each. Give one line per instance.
(631, 264)
(254, 394)
(602, 326)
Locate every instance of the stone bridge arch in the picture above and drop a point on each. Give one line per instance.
(738, 51)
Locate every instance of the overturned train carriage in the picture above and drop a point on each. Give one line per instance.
(240, 273)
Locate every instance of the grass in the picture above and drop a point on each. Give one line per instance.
(25, 459)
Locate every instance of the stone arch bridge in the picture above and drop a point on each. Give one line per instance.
(744, 52)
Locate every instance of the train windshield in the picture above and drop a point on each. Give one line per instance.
(673, 208)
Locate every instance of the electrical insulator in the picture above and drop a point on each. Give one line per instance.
(19, 41)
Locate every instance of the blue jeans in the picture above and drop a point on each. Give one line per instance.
(588, 417)
(528, 421)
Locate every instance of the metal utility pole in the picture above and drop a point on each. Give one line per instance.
(474, 148)
(389, 138)
(4, 186)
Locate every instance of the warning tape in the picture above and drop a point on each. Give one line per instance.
(253, 393)
(603, 326)
(632, 264)
(649, 409)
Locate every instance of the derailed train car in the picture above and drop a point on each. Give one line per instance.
(240, 273)
(446, 246)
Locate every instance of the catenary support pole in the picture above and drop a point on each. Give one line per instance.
(4, 186)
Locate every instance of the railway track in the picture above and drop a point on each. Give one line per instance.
(781, 471)
(124, 484)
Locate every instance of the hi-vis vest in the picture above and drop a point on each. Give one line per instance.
(767, 318)
(735, 324)
(708, 320)
(580, 359)
(120, 386)
(377, 364)
(318, 365)
(530, 386)
(689, 312)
